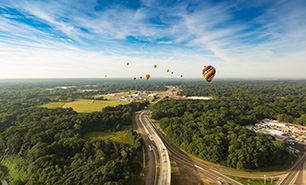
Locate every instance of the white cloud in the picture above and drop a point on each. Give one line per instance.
(91, 41)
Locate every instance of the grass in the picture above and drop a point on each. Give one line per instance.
(82, 105)
(54, 105)
(181, 175)
(14, 170)
(119, 136)
(254, 181)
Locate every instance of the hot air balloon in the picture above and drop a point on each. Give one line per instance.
(147, 76)
(140, 77)
(172, 72)
(134, 78)
(181, 76)
(105, 76)
(208, 73)
(127, 63)
(155, 66)
(146, 91)
(168, 70)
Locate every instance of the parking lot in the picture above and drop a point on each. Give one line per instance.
(292, 134)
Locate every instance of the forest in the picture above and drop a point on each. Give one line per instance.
(47, 146)
(212, 130)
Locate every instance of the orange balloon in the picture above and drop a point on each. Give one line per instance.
(155, 66)
(147, 76)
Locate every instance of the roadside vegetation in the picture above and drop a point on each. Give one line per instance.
(254, 181)
(213, 130)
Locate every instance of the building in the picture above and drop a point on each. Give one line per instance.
(274, 123)
(198, 98)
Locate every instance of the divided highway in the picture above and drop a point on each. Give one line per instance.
(155, 138)
(151, 137)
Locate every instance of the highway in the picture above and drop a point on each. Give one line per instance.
(194, 165)
(152, 171)
(292, 176)
(296, 174)
(151, 137)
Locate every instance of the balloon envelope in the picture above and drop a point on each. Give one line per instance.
(209, 73)
(147, 76)
(172, 72)
(155, 66)
(134, 78)
(146, 91)
(168, 70)
(105, 76)
(127, 63)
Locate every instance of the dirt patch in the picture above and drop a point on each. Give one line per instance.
(181, 175)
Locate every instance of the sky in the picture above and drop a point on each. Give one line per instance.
(94, 38)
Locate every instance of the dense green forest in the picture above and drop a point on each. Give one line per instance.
(213, 129)
(281, 100)
(51, 150)
(46, 146)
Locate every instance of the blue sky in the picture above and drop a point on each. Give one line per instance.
(88, 39)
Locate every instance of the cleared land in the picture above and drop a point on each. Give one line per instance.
(120, 136)
(54, 105)
(181, 175)
(82, 105)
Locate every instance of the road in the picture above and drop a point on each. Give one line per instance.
(151, 137)
(164, 164)
(196, 166)
(296, 174)
(151, 177)
(292, 176)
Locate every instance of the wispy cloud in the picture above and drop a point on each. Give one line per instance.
(187, 32)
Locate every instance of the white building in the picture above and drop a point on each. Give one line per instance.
(274, 123)
(198, 98)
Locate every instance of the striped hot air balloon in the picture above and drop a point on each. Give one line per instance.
(209, 73)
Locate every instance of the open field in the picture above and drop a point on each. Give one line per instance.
(82, 105)
(120, 136)
(54, 105)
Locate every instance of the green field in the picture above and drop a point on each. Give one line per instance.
(82, 105)
(120, 136)
(54, 105)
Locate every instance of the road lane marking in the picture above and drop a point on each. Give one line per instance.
(304, 173)
(281, 179)
(294, 178)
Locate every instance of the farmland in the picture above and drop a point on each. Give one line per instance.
(84, 106)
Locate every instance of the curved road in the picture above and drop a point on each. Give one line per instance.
(295, 175)
(151, 137)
